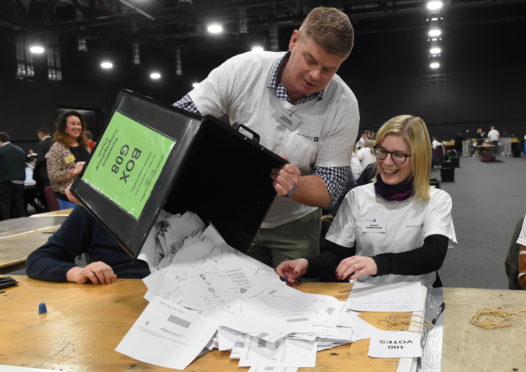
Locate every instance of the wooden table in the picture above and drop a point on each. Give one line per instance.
(469, 348)
(21, 236)
(85, 323)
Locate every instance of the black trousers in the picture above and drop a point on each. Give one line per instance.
(11, 200)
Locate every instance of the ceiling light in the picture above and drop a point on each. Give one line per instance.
(195, 84)
(82, 45)
(257, 48)
(155, 75)
(435, 50)
(107, 65)
(215, 28)
(434, 65)
(435, 32)
(435, 5)
(36, 49)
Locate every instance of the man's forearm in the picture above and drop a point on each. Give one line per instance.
(311, 190)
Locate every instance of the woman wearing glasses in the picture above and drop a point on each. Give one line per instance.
(395, 229)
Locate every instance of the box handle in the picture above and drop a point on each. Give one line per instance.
(255, 136)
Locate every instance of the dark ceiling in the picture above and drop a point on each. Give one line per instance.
(390, 35)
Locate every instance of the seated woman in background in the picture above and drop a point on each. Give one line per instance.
(395, 229)
(67, 155)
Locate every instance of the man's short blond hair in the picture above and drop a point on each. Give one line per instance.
(331, 29)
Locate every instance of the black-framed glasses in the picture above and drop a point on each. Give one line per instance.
(397, 157)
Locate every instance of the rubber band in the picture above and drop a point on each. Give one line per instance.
(494, 318)
(402, 322)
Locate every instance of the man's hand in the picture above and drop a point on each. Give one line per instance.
(285, 179)
(355, 267)
(96, 273)
(292, 269)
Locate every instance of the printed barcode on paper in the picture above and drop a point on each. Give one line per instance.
(180, 322)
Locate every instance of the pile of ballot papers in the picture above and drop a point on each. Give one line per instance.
(204, 294)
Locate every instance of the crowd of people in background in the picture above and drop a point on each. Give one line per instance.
(25, 178)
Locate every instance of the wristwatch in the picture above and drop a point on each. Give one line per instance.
(291, 191)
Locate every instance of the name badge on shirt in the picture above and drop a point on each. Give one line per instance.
(69, 159)
(378, 225)
(288, 118)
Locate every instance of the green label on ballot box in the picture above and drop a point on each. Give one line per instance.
(127, 163)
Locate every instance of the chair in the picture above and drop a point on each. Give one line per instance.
(512, 259)
(438, 156)
(51, 199)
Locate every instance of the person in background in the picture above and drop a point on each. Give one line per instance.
(493, 138)
(80, 234)
(362, 139)
(356, 165)
(305, 112)
(521, 241)
(12, 176)
(395, 229)
(439, 151)
(40, 172)
(366, 154)
(67, 155)
(91, 143)
(458, 143)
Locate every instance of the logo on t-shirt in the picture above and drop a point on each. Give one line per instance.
(310, 138)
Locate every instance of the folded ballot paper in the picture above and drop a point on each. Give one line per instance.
(204, 294)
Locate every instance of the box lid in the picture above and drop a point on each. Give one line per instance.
(153, 156)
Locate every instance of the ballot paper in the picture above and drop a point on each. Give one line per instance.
(286, 353)
(271, 369)
(391, 297)
(166, 236)
(167, 335)
(6, 368)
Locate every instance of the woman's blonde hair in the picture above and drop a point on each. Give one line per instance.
(414, 131)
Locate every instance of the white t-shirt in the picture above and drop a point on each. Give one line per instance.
(379, 226)
(356, 167)
(324, 136)
(493, 135)
(522, 236)
(366, 156)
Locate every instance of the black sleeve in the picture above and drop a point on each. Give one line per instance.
(423, 260)
(324, 265)
(52, 261)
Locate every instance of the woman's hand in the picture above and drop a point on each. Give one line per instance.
(96, 273)
(355, 267)
(78, 168)
(292, 270)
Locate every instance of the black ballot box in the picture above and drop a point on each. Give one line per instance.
(455, 161)
(153, 156)
(447, 172)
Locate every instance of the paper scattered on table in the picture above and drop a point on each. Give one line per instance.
(234, 303)
(6, 368)
(401, 296)
(167, 335)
